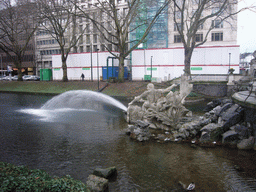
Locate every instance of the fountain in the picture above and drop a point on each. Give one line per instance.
(224, 122)
(160, 111)
(82, 99)
(75, 105)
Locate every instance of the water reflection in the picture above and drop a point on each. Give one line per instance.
(76, 142)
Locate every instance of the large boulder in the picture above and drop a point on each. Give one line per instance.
(231, 137)
(205, 137)
(106, 173)
(97, 184)
(246, 144)
(243, 131)
(139, 131)
(229, 112)
(224, 108)
(212, 105)
(207, 132)
(234, 119)
(210, 127)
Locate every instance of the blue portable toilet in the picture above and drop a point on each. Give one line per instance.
(108, 72)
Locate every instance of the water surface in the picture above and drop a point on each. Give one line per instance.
(75, 142)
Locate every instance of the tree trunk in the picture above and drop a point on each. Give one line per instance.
(121, 70)
(18, 65)
(64, 68)
(188, 55)
(19, 74)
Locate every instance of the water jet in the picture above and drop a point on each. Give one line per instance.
(82, 99)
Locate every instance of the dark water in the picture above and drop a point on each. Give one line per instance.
(75, 142)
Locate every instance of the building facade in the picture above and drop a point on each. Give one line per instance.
(161, 54)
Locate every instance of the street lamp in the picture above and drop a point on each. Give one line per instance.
(98, 69)
(229, 55)
(91, 63)
(1, 65)
(151, 66)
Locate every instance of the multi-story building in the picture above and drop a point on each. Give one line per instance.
(17, 49)
(162, 54)
(219, 53)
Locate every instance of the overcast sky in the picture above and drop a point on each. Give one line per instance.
(246, 36)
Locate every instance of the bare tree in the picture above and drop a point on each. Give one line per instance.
(114, 22)
(191, 16)
(17, 28)
(59, 20)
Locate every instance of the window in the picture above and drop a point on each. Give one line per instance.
(195, 2)
(217, 24)
(109, 25)
(199, 38)
(177, 39)
(215, 10)
(177, 26)
(88, 48)
(217, 36)
(80, 28)
(87, 28)
(109, 37)
(125, 11)
(102, 26)
(177, 14)
(75, 50)
(81, 49)
(94, 38)
(88, 40)
(110, 47)
(102, 47)
(95, 48)
(81, 40)
(201, 26)
(94, 28)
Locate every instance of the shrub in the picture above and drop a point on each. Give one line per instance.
(20, 178)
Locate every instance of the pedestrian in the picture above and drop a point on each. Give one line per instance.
(82, 76)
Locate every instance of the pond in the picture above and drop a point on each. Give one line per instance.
(75, 142)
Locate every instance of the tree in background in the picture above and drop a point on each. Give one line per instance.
(194, 16)
(17, 27)
(114, 22)
(59, 19)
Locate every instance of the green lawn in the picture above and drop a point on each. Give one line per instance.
(53, 87)
(56, 87)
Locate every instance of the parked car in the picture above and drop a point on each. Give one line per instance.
(6, 78)
(15, 78)
(36, 78)
(30, 78)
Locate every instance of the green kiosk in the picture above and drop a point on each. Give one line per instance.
(45, 74)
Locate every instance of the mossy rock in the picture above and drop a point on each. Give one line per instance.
(105, 173)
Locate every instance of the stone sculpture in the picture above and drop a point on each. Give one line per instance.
(161, 108)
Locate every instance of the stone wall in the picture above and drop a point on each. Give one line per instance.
(212, 90)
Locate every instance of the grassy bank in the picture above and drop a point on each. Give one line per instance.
(57, 87)
(127, 89)
(20, 178)
(53, 87)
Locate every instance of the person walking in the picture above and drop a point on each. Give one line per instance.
(82, 76)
